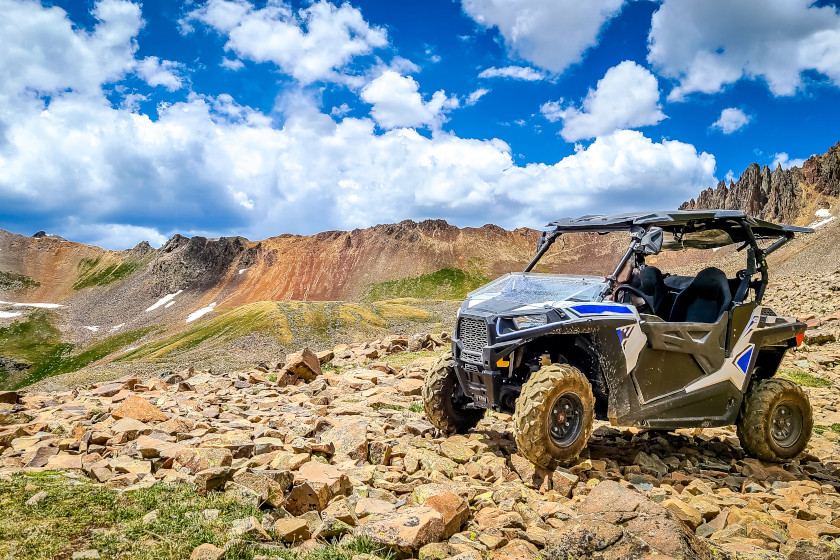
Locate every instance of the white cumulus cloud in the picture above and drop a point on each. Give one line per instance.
(157, 72)
(783, 160)
(731, 120)
(97, 171)
(524, 73)
(707, 44)
(553, 34)
(397, 102)
(473, 97)
(42, 51)
(317, 42)
(626, 97)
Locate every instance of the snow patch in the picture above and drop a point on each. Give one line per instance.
(39, 305)
(164, 300)
(241, 270)
(92, 329)
(168, 305)
(117, 327)
(8, 314)
(822, 213)
(822, 222)
(201, 312)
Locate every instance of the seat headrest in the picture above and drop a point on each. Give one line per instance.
(649, 279)
(710, 283)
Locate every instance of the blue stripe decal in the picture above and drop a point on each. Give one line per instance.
(743, 362)
(598, 309)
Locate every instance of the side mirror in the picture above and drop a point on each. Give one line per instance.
(752, 267)
(651, 242)
(546, 239)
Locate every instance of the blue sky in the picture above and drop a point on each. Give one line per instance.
(121, 122)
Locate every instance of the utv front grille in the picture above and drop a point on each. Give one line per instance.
(473, 334)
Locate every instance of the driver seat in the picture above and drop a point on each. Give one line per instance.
(704, 300)
(650, 281)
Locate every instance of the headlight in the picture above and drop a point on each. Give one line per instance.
(529, 321)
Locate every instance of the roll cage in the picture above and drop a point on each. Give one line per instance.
(741, 228)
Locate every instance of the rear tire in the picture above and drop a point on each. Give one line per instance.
(554, 415)
(775, 421)
(444, 408)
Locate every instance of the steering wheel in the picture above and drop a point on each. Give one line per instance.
(636, 291)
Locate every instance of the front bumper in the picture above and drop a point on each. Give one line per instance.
(477, 354)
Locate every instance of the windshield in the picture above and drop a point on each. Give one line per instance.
(529, 287)
(707, 239)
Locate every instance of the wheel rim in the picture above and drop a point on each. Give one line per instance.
(566, 419)
(786, 424)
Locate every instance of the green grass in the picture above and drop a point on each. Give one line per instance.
(9, 281)
(402, 359)
(415, 407)
(78, 516)
(822, 428)
(446, 283)
(290, 322)
(66, 363)
(36, 341)
(803, 378)
(91, 274)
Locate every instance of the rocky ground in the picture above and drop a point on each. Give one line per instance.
(335, 447)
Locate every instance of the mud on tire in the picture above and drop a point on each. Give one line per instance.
(554, 415)
(775, 421)
(443, 408)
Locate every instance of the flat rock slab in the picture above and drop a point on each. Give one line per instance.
(405, 530)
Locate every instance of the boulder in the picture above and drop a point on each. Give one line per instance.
(454, 509)
(249, 527)
(64, 461)
(315, 485)
(140, 409)
(291, 529)
(684, 512)
(304, 364)
(129, 428)
(615, 520)
(269, 491)
(515, 550)
(207, 551)
(196, 460)
(370, 506)
(212, 479)
(348, 435)
(404, 530)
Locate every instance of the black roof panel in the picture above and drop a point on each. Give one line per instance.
(675, 220)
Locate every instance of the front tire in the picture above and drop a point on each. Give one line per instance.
(775, 421)
(554, 415)
(445, 404)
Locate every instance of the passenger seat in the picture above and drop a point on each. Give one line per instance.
(704, 300)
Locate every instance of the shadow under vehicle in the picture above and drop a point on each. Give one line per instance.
(659, 351)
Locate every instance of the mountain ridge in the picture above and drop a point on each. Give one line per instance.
(785, 195)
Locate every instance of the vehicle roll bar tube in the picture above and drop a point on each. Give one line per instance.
(761, 256)
(547, 239)
(637, 234)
